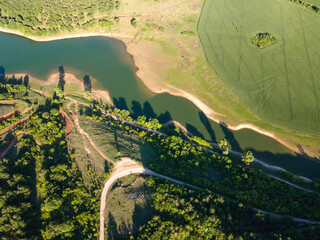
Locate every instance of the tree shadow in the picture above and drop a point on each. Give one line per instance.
(306, 155)
(124, 230)
(307, 168)
(193, 130)
(61, 70)
(2, 71)
(116, 139)
(148, 154)
(148, 110)
(136, 109)
(121, 103)
(112, 228)
(62, 82)
(35, 202)
(205, 121)
(229, 136)
(165, 117)
(87, 83)
(2, 74)
(107, 166)
(141, 215)
(7, 139)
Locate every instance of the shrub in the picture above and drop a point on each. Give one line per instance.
(134, 22)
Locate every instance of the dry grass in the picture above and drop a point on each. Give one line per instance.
(116, 143)
(128, 206)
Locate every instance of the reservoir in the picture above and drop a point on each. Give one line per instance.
(107, 61)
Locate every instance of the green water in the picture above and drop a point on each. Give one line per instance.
(107, 61)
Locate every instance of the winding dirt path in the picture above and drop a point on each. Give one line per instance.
(4, 117)
(67, 120)
(83, 133)
(40, 92)
(6, 102)
(124, 168)
(128, 167)
(212, 144)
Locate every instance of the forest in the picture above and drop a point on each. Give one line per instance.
(43, 197)
(189, 214)
(46, 18)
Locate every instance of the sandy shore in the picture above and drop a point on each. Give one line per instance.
(66, 36)
(70, 79)
(151, 79)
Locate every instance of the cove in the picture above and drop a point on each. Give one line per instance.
(107, 61)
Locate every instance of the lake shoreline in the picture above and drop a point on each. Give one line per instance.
(154, 86)
(70, 78)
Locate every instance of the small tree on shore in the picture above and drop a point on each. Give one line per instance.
(223, 145)
(134, 22)
(247, 158)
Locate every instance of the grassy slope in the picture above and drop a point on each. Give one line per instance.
(128, 206)
(5, 109)
(115, 143)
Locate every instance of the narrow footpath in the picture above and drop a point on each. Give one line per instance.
(83, 133)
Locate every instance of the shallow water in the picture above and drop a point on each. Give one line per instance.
(107, 61)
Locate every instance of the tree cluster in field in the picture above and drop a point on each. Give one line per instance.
(46, 126)
(9, 121)
(262, 40)
(45, 17)
(190, 214)
(310, 6)
(182, 159)
(12, 87)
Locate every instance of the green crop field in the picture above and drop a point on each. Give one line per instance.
(281, 82)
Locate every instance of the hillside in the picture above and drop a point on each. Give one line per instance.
(64, 169)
